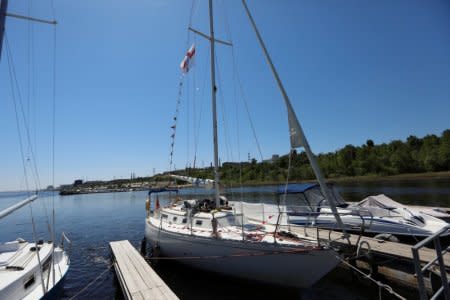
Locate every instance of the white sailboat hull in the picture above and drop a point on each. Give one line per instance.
(26, 283)
(264, 262)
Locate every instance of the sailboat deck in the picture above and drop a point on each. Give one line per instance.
(261, 233)
(137, 278)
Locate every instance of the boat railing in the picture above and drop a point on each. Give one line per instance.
(64, 238)
(304, 216)
(309, 214)
(430, 267)
(311, 221)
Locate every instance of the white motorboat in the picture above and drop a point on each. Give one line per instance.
(373, 215)
(208, 234)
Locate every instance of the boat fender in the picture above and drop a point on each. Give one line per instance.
(386, 237)
(214, 224)
(147, 204)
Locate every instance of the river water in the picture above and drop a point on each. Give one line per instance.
(91, 221)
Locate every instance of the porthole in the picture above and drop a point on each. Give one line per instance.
(29, 282)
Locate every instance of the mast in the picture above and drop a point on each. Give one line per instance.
(212, 41)
(4, 13)
(298, 138)
(214, 110)
(3, 9)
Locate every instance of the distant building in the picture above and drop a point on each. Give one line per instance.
(78, 182)
(274, 158)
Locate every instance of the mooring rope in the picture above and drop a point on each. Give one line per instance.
(92, 282)
(378, 283)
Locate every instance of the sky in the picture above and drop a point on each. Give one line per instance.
(354, 70)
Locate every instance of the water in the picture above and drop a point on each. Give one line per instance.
(91, 221)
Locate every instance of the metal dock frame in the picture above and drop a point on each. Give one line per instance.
(444, 289)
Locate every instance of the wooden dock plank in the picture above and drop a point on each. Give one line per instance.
(126, 270)
(150, 279)
(137, 279)
(123, 268)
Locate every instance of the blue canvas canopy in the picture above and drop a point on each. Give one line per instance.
(162, 190)
(296, 188)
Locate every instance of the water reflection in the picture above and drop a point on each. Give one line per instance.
(91, 221)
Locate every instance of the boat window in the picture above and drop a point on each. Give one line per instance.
(164, 216)
(199, 222)
(28, 282)
(184, 221)
(174, 219)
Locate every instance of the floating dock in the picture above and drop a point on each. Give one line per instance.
(399, 250)
(394, 261)
(137, 279)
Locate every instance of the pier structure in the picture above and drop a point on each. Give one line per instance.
(136, 277)
(397, 262)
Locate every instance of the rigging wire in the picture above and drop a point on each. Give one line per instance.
(194, 107)
(53, 154)
(197, 129)
(236, 105)
(20, 115)
(227, 143)
(21, 111)
(13, 79)
(241, 89)
(13, 93)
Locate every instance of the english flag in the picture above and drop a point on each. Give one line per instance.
(187, 60)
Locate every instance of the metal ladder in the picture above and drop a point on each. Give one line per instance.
(444, 290)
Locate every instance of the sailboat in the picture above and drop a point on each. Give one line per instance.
(208, 234)
(29, 270)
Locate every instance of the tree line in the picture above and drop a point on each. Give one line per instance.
(415, 155)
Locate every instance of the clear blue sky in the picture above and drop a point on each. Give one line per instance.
(354, 70)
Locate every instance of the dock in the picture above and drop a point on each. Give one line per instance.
(398, 250)
(136, 277)
(394, 261)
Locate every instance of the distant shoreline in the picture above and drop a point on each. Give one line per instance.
(337, 180)
(367, 178)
